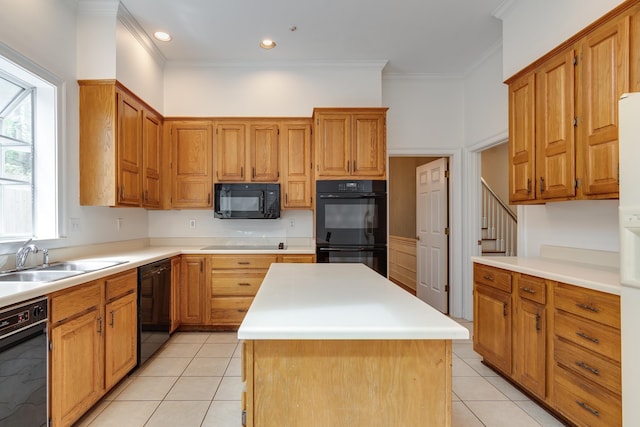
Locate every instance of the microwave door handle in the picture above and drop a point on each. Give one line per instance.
(262, 201)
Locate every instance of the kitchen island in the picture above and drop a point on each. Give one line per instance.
(340, 345)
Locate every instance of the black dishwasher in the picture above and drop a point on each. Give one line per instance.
(154, 307)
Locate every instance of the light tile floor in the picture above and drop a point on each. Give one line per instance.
(194, 380)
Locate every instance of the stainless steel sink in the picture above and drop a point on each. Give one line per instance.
(82, 265)
(37, 276)
(58, 271)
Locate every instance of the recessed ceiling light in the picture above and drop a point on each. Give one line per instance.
(162, 36)
(267, 44)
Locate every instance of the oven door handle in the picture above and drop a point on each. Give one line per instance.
(352, 196)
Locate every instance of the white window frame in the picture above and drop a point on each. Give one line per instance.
(47, 136)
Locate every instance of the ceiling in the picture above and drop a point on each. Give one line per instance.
(434, 37)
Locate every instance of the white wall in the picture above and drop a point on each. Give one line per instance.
(138, 69)
(50, 40)
(424, 113)
(530, 30)
(280, 90)
(486, 102)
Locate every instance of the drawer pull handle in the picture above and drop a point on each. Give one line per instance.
(528, 290)
(488, 277)
(588, 307)
(242, 310)
(588, 368)
(244, 284)
(588, 408)
(587, 337)
(244, 262)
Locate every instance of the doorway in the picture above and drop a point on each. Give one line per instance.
(403, 257)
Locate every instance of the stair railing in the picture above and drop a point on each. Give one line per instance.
(499, 220)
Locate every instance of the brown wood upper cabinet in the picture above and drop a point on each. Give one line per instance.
(120, 147)
(350, 143)
(563, 113)
(297, 164)
(247, 150)
(191, 163)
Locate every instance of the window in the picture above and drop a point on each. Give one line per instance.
(28, 150)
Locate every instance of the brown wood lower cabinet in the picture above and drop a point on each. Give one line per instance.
(216, 291)
(320, 383)
(562, 345)
(235, 279)
(93, 329)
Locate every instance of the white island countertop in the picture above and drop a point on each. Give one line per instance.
(340, 301)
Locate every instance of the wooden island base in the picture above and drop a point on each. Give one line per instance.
(372, 383)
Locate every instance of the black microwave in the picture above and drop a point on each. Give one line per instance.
(247, 201)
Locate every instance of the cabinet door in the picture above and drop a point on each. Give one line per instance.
(192, 290)
(492, 326)
(530, 347)
(522, 139)
(121, 338)
(176, 270)
(151, 155)
(296, 165)
(129, 151)
(368, 149)
(77, 369)
(604, 74)
(333, 144)
(264, 153)
(192, 164)
(230, 151)
(555, 141)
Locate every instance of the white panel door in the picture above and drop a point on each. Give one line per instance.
(431, 224)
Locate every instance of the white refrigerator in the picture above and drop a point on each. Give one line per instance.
(629, 145)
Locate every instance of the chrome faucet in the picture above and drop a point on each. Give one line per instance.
(23, 253)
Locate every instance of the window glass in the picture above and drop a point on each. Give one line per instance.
(28, 153)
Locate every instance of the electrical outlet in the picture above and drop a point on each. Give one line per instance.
(74, 225)
(119, 222)
(292, 223)
(192, 223)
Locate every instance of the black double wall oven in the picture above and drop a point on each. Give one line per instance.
(351, 222)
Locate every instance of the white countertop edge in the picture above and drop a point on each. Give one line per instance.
(460, 333)
(603, 279)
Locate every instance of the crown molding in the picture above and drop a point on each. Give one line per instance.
(377, 65)
(136, 30)
(503, 8)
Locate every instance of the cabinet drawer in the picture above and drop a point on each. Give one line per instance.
(242, 261)
(584, 403)
(491, 276)
(68, 304)
(584, 363)
(532, 288)
(240, 283)
(121, 284)
(594, 305)
(602, 339)
(229, 310)
(297, 258)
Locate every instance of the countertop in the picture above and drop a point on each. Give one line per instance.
(15, 292)
(340, 301)
(599, 278)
